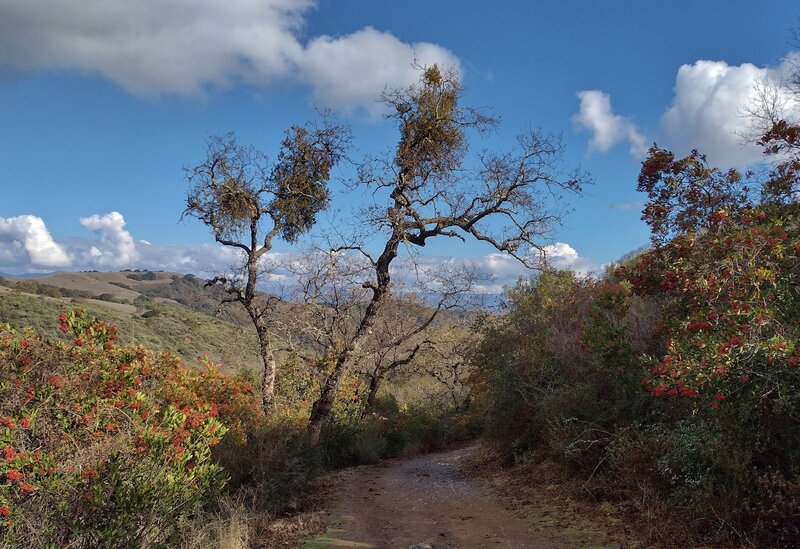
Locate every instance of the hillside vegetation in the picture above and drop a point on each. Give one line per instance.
(670, 387)
(90, 408)
(108, 444)
(153, 318)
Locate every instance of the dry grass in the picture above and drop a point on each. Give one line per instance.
(229, 528)
(178, 328)
(241, 523)
(95, 283)
(238, 526)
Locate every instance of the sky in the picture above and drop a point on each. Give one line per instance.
(103, 105)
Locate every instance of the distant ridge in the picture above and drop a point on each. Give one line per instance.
(27, 275)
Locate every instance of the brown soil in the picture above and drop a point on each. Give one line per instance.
(426, 502)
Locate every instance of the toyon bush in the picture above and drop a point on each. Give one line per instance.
(673, 382)
(730, 270)
(104, 444)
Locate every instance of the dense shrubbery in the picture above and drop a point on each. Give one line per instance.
(118, 446)
(107, 445)
(672, 383)
(349, 439)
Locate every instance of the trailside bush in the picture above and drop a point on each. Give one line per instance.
(106, 445)
(268, 462)
(684, 397)
(732, 337)
(349, 439)
(527, 356)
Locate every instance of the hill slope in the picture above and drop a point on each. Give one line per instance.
(158, 322)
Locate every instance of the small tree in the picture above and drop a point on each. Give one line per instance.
(330, 299)
(430, 193)
(248, 201)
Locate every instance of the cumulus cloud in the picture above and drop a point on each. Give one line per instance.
(500, 270)
(711, 111)
(198, 259)
(154, 46)
(26, 242)
(563, 256)
(355, 69)
(710, 108)
(116, 247)
(179, 47)
(27, 246)
(606, 128)
(503, 270)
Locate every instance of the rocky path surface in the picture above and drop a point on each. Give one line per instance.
(425, 502)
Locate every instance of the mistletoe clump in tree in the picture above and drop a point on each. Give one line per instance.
(248, 201)
(425, 190)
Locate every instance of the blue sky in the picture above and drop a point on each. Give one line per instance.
(103, 104)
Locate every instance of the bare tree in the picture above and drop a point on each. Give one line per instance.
(440, 354)
(386, 352)
(774, 117)
(447, 360)
(773, 112)
(330, 300)
(410, 330)
(509, 200)
(248, 201)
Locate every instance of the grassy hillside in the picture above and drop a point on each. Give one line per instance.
(158, 324)
(164, 310)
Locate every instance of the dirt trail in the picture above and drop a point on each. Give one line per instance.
(425, 502)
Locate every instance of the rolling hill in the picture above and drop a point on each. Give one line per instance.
(160, 310)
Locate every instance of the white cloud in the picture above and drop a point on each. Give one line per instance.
(565, 257)
(633, 206)
(172, 46)
(198, 259)
(504, 270)
(118, 247)
(355, 69)
(710, 106)
(25, 241)
(607, 129)
(26, 246)
(181, 47)
(709, 112)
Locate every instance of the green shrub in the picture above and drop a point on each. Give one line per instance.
(271, 464)
(106, 445)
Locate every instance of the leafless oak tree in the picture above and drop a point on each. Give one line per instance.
(509, 200)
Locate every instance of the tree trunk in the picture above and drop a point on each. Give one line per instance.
(374, 383)
(324, 404)
(269, 367)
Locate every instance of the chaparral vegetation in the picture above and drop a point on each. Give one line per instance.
(670, 384)
(667, 387)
